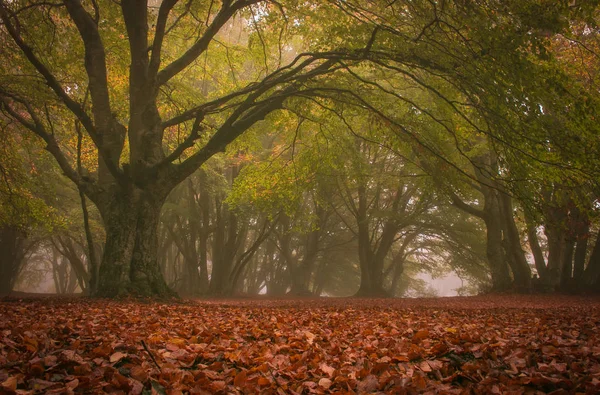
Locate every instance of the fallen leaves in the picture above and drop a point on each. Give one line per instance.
(506, 344)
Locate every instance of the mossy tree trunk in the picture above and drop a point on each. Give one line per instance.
(130, 260)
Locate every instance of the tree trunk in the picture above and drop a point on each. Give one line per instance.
(12, 252)
(303, 270)
(225, 248)
(130, 259)
(566, 275)
(514, 252)
(579, 259)
(397, 275)
(536, 250)
(495, 255)
(203, 232)
(591, 276)
(556, 256)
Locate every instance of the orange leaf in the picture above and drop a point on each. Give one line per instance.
(263, 381)
(10, 384)
(420, 335)
(240, 379)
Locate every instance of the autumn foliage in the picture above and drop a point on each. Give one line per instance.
(493, 344)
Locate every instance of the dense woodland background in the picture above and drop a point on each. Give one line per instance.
(240, 147)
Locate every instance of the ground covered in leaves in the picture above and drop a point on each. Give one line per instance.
(486, 345)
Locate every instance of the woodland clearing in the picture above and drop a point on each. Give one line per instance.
(485, 344)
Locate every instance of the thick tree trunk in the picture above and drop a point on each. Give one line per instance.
(304, 270)
(501, 280)
(372, 257)
(495, 253)
(397, 275)
(130, 259)
(12, 252)
(371, 286)
(226, 244)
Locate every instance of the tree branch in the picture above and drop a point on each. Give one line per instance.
(51, 80)
(467, 208)
(225, 14)
(95, 64)
(159, 35)
(37, 127)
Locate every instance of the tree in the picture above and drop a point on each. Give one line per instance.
(126, 114)
(26, 214)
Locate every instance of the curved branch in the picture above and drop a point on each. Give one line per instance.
(225, 14)
(36, 126)
(95, 63)
(51, 80)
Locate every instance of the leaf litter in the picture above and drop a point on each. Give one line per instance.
(480, 345)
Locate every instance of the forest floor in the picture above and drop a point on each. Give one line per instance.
(484, 345)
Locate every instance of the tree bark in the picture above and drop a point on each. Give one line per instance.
(372, 260)
(591, 276)
(536, 250)
(12, 252)
(515, 255)
(130, 259)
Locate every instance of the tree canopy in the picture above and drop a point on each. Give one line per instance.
(292, 128)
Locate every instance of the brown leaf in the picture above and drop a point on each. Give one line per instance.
(420, 335)
(325, 383)
(72, 384)
(368, 384)
(10, 384)
(328, 370)
(139, 373)
(116, 357)
(424, 366)
(240, 379)
(263, 381)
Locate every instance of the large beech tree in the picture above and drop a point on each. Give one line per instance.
(58, 53)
